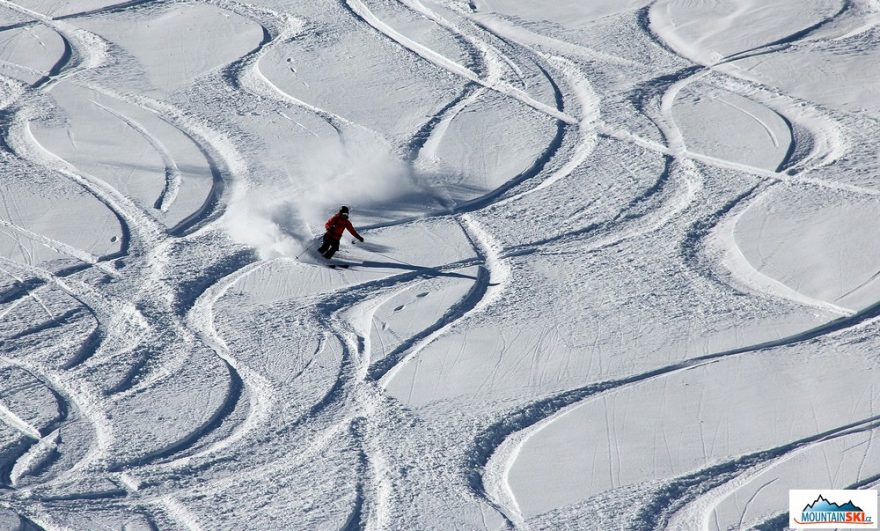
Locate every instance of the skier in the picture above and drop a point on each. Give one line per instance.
(336, 226)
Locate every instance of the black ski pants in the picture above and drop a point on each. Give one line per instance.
(329, 246)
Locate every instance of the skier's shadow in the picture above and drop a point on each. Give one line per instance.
(430, 271)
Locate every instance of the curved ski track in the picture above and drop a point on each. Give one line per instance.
(497, 446)
(171, 324)
(124, 327)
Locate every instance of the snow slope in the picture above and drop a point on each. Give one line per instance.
(621, 267)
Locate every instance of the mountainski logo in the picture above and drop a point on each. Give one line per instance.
(841, 509)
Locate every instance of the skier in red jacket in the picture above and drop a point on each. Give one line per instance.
(336, 227)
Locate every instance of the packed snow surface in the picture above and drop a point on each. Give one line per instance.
(621, 268)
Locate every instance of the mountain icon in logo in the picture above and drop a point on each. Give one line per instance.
(823, 505)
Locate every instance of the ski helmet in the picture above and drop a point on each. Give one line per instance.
(343, 209)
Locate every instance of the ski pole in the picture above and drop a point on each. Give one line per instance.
(305, 248)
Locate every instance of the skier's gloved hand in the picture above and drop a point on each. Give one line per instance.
(361, 238)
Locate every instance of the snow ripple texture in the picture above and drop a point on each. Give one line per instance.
(621, 267)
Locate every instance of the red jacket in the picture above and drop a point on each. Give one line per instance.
(336, 227)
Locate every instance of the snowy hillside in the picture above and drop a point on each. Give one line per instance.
(621, 266)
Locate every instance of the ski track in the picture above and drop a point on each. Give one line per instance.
(221, 158)
(376, 496)
(147, 238)
(355, 404)
(495, 454)
(360, 10)
(61, 248)
(201, 318)
(497, 446)
(172, 172)
(150, 235)
(187, 520)
(75, 404)
(246, 74)
(740, 267)
(490, 281)
(724, 479)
